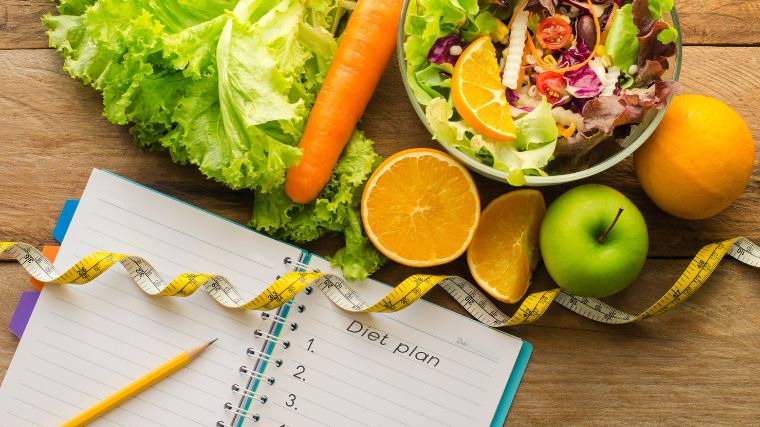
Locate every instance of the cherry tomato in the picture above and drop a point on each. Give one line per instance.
(554, 33)
(552, 85)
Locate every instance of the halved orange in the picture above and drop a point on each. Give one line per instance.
(420, 208)
(478, 94)
(504, 251)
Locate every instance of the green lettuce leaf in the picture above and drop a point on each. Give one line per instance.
(622, 43)
(659, 8)
(536, 133)
(426, 22)
(536, 128)
(334, 211)
(668, 35)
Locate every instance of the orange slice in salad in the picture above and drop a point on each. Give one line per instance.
(504, 252)
(478, 94)
(420, 208)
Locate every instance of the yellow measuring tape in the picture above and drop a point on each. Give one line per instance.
(403, 295)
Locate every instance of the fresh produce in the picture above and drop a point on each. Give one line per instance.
(699, 160)
(591, 70)
(594, 241)
(227, 86)
(365, 48)
(421, 208)
(477, 92)
(504, 251)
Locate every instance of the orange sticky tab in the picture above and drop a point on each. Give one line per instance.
(50, 253)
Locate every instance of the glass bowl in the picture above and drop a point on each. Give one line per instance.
(639, 133)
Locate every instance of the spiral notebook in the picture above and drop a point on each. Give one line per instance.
(307, 363)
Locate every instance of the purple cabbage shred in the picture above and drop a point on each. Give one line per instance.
(440, 52)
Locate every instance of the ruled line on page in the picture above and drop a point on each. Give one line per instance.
(486, 374)
(340, 413)
(45, 410)
(22, 418)
(404, 390)
(358, 339)
(58, 398)
(220, 346)
(486, 356)
(110, 336)
(392, 402)
(109, 386)
(344, 398)
(163, 325)
(391, 316)
(405, 374)
(59, 366)
(177, 247)
(301, 415)
(106, 368)
(123, 358)
(145, 253)
(98, 398)
(184, 233)
(214, 310)
(90, 395)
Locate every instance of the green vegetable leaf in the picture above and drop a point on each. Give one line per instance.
(622, 43)
(668, 35)
(536, 128)
(335, 210)
(537, 133)
(483, 24)
(427, 21)
(660, 7)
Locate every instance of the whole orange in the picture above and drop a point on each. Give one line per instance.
(699, 160)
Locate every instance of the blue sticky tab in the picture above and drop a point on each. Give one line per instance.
(64, 220)
(514, 381)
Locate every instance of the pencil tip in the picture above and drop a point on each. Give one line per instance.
(212, 341)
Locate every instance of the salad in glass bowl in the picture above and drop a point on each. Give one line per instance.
(583, 82)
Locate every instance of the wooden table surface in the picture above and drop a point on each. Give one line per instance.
(696, 365)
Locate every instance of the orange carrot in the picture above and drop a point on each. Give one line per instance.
(364, 51)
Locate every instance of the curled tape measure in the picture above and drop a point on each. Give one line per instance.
(403, 295)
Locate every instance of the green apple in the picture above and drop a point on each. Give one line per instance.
(594, 241)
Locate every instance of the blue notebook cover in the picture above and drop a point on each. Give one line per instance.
(69, 208)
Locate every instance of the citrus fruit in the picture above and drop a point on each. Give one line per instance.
(420, 208)
(504, 251)
(478, 94)
(699, 159)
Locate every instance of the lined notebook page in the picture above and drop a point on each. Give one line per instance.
(83, 343)
(422, 366)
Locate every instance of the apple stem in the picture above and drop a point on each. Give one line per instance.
(600, 239)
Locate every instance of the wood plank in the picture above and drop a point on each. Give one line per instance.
(20, 26)
(58, 135)
(698, 363)
(704, 22)
(707, 22)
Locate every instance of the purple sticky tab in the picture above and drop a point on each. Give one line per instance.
(23, 312)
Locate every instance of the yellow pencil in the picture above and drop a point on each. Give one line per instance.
(137, 386)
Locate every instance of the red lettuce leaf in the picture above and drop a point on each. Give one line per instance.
(605, 113)
(653, 54)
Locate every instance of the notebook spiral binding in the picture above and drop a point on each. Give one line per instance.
(261, 357)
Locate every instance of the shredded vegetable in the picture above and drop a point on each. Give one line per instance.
(514, 53)
(548, 67)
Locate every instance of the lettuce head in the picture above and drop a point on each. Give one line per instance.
(227, 86)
